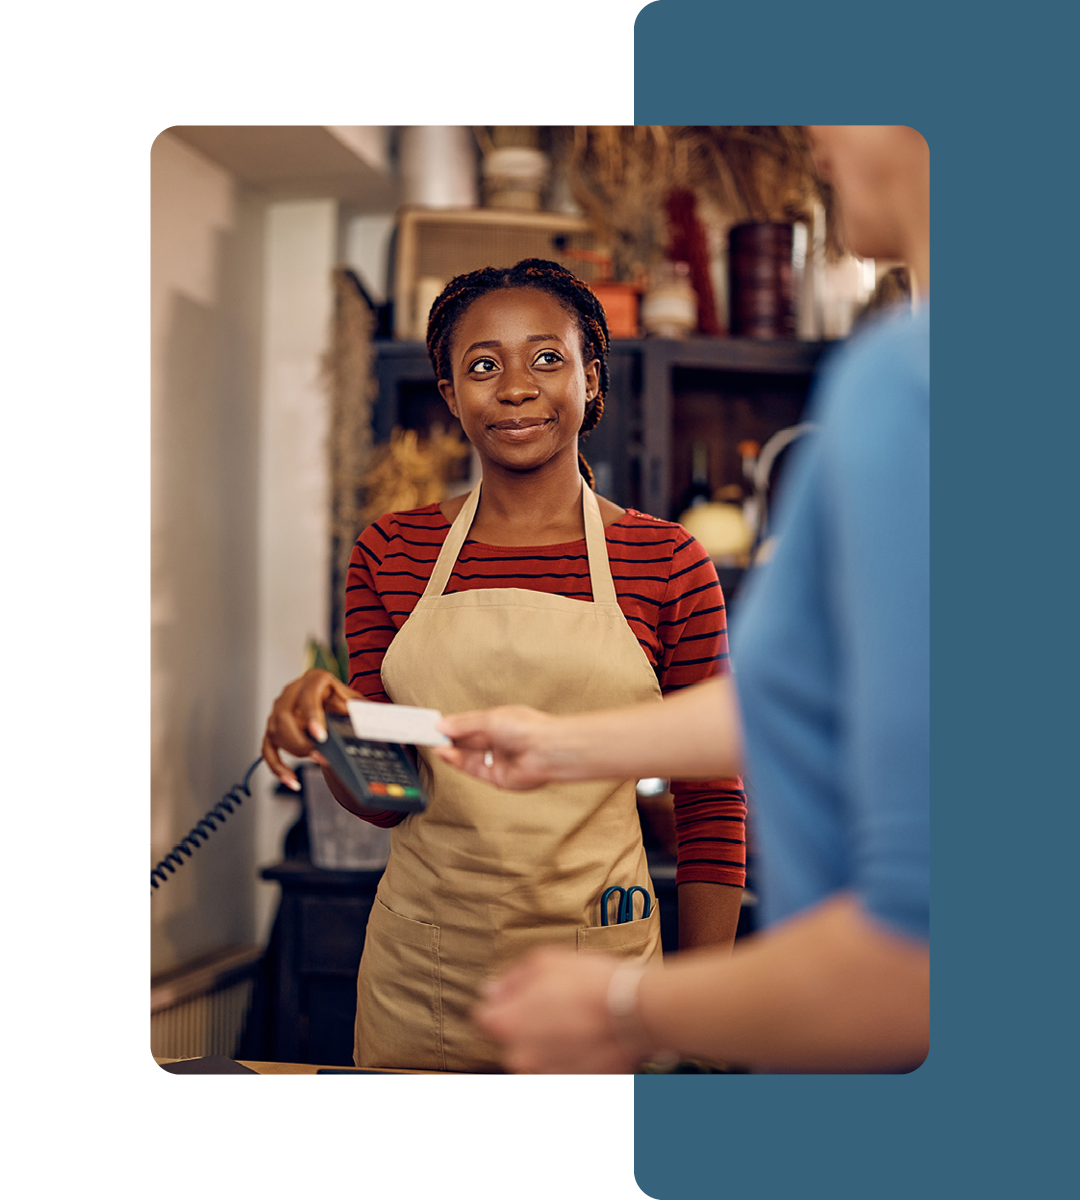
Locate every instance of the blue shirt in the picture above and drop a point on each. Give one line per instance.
(831, 645)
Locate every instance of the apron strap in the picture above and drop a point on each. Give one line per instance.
(603, 586)
(451, 548)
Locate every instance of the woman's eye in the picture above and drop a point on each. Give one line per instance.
(548, 358)
(483, 366)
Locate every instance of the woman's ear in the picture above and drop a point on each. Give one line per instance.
(592, 379)
(446, 390)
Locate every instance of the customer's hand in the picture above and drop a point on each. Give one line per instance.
(297, 724)
(550, 1014)
(509, 747)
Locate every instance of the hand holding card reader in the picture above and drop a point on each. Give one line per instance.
(378, 774)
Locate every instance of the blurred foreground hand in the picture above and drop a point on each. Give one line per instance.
(550, 1014)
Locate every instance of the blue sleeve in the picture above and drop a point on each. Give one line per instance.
(875, 481)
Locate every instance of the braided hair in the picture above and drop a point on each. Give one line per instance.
(543, 276)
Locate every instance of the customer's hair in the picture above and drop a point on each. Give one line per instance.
(543, 276)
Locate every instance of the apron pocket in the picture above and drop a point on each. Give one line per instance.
(399, 994)
(633, 939)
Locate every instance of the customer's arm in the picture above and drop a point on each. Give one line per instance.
(691, 735)
(830, 990)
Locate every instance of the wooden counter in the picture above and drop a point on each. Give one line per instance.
(281, 1068)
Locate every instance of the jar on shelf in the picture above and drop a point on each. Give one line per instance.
(622, 303)
(438, 166)
(669, 306)
(514, 177)
(762, 291)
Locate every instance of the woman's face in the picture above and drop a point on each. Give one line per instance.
(520, 385)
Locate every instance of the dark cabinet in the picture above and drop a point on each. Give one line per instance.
(721, 391)
(319, 937)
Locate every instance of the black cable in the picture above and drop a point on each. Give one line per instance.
(200, 833)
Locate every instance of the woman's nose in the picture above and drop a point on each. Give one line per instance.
(516, 386)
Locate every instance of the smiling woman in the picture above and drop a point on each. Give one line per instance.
(530, 590)
(547, 297)
(521, 395)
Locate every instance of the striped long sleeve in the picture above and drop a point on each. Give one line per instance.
(666, 587)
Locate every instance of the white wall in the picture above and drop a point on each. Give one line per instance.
(369, 142)
(241, 303)
(294, 538)
(205, 333)
(367, 250)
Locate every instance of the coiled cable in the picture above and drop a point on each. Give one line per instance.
(202, 830)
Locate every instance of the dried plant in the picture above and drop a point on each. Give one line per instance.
(620, 176)
(349, 378)
(757, 173)
(408, 472)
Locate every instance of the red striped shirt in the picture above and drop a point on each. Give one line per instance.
(666, 587)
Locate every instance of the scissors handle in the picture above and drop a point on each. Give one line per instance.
(627, 913)
(604, 904)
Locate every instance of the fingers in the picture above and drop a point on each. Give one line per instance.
(286, 732)
(494, 745)
(451, 755)
(321, 693)
(520, 974)
(273, 761)
(296, 723)
(482, 764)
(472, 729)
(490, 767)
(510, 980)
(549, 1013)
(503, 727)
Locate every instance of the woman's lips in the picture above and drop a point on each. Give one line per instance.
(521, 431)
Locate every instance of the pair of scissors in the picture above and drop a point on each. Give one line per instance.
(625, 911)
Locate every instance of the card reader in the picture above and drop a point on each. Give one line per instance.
(377, 774)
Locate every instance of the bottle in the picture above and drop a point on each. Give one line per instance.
(699, 491)
(748, 451)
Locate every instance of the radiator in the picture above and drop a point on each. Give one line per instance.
(201, 1008)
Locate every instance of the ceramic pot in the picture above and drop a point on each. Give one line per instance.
(669, 308)
(438, 166)
(621, 303)
(514, 177)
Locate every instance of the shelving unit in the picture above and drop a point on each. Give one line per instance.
(724, 390)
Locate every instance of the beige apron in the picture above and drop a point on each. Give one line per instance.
(483, 874)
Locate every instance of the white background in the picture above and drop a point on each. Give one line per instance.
(87, 87)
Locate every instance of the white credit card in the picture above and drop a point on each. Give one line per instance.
(396, 723)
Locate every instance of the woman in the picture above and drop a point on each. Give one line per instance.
(530, 590)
